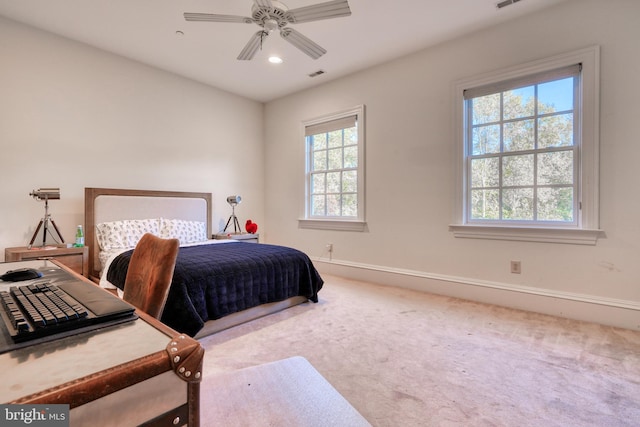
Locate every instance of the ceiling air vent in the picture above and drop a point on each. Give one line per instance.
(316, 73)
(506, 3)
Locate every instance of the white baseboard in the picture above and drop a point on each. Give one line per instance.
(589, 308)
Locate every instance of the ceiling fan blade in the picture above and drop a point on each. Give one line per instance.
(252, 47)
(316, 12)
(212, 17)
(303, 43)
(264, 3)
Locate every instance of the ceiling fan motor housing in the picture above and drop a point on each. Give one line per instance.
(270, 18)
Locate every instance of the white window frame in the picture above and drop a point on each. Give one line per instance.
(356, 223)
(586, 229)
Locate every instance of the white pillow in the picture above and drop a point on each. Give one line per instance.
(125, 234)
(185, 231)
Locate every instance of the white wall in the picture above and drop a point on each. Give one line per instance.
(72, 116)
(410, 157)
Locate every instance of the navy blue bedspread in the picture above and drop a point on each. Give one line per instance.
(212, 281)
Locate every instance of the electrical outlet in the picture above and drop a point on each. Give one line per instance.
(516, 268)
(330, 247)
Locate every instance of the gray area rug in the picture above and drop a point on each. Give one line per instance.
(287, 392)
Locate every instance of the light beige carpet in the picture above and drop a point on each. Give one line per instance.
(405, 358)
(284, 393)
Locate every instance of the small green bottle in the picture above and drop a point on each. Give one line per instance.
(79, 237)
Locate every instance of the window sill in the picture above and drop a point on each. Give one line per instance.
(338, 225)
(528, 234)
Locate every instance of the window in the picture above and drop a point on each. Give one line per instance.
(335, 171)
(529, 152)
(521, 150)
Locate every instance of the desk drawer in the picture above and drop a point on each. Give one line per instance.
(74, 262)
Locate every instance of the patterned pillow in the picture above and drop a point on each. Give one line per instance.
(185, 231)
(125, 234)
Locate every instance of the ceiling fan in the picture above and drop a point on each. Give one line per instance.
(272, 15)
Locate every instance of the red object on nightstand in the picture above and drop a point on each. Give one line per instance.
(251, 227)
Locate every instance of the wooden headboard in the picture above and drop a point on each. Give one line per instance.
(112, 204)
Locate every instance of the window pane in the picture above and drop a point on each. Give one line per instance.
(318, 205)
(519, 103)
(519, 135)
(351, 157)
(317, 183)
(333, 182)
(486, 139)
(485, 204)
(350, 205)
(485, 172)
(555, 96)
(333, 205)
(486, 109)
(517, 204)
(335, 139)
(335, 159)
(555, 168)
(555, 131)
(517, 170)
(350, 181)
(555, 204)
(319, 160)
(351, 136)
(319, 141)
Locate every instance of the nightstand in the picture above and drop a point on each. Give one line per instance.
(75, 258)
(245, 237)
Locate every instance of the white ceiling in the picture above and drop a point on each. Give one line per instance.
(145, 30)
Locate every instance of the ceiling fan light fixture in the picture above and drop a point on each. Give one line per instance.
(270, 25)
(275, 60)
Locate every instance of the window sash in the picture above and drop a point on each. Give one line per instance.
(339, 194)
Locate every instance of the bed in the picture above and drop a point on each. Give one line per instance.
(217, 284)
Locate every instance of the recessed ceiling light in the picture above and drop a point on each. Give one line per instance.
(179, 33)
(275, 60)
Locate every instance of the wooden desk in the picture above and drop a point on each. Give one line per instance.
(136, 373)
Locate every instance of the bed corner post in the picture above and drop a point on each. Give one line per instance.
(89, 231)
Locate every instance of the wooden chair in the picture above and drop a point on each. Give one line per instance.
(150, 272)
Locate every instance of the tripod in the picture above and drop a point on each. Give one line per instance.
(45, 222)
(236, 223)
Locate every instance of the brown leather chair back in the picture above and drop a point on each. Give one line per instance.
(150, 273)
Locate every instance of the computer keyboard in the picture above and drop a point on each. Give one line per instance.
(38, 310)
